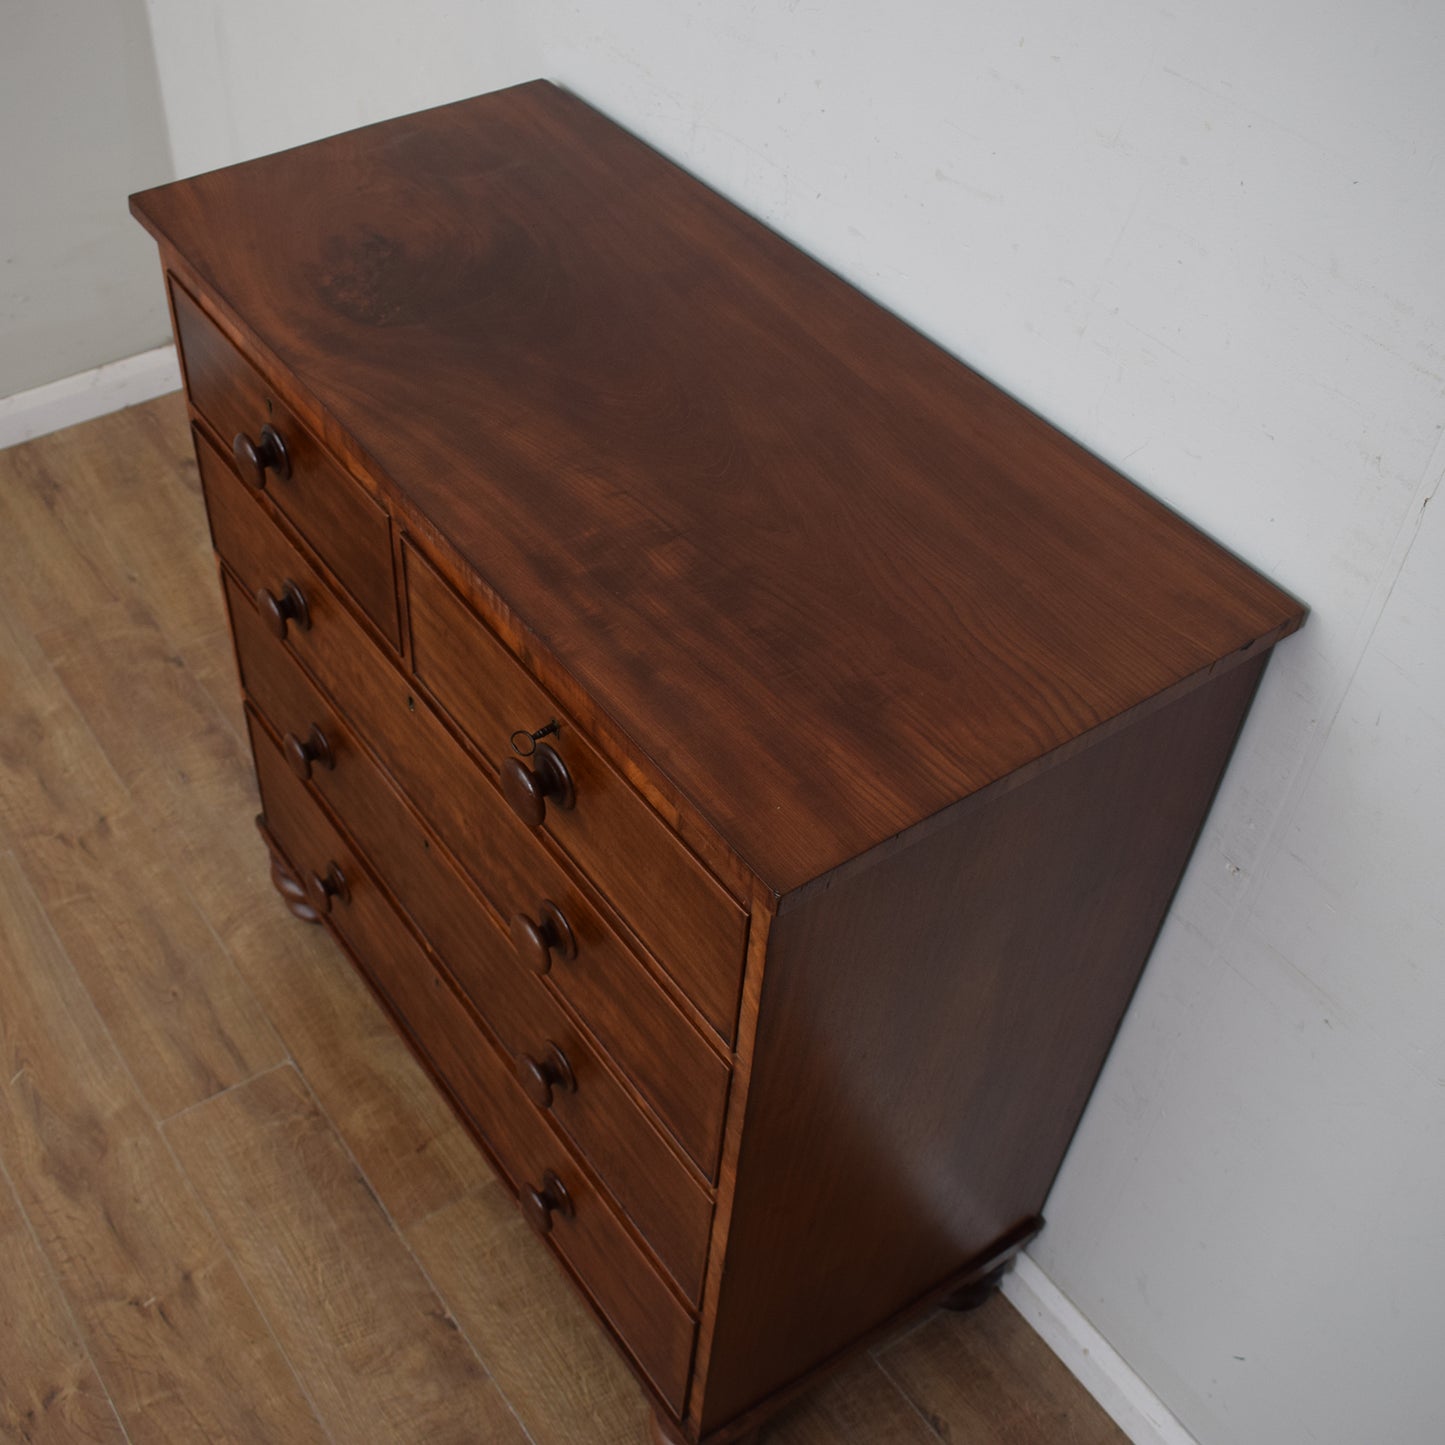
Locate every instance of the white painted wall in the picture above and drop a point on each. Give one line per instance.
(81, 126)
(1207, 241)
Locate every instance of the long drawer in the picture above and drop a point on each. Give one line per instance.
(680, 1075)
(350, 531)
(561, 1068)
(675, 905)
(463, 806)
(651, 1322)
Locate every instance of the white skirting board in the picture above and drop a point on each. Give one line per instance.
(93, 393)
(1091, 1359)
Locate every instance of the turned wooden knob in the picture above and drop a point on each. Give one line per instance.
(321, 888)
(537, 941)
(302, 756)
(539, 1205)
(540, 1076)
(527, 789)
(279, 612)
(255, 459)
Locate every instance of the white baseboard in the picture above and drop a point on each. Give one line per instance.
(1091, 1359)
(93, 393)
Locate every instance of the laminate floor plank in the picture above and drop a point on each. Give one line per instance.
(551, 1358)
(173, 1332)
(183, 1018)
(49, 1391)
(985, 1377)
(858, 1403)
(181, 1015)
(93, 516)
(54, 777)
(194, 790)
(375, 1346)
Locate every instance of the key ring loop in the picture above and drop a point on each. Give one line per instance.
(529, 741)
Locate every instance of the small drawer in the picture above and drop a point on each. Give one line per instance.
(348, 529)
(665, 895)
(652, 1324)
(680, 1076)
(651, 1184)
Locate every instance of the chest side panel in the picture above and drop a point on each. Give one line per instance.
(931, 1027)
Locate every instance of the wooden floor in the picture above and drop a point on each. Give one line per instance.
(232, 1207)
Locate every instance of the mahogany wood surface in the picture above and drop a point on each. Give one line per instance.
(708, 477)
(666, 1058)
(679, 910)
(452, 791)
(652, 1323)
(929, 1033)
(750, 669)
(150, 972)
(650, 1182)
(316, 494)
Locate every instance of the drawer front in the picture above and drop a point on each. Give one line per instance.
(659, 1051)
(650, 1183)
(672, 1067)
(651, 1322)
(664, 893)
(349, 531)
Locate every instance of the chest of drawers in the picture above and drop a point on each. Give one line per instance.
(748, 754)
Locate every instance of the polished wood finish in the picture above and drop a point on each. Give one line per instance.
(651, 1322)
(864, 718)
(1026, 922)
(126, 799)
(255, 459)
(274, 450)
(605, 982)
(654, 1186)
(704, 474)
(683, 915)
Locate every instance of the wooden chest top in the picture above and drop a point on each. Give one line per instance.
(826, 579)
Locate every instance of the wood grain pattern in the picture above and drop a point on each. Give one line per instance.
(186, 769)
(986, 1378)
(790, 589)
(646, 1314)
(186, 1022)
(545, 1350)
(180, 1014)
(699, 530)
(859, 1403)
(947, 1103)
(49, 1391)
(123, 524)
(679, 1075)
(181, 1346)
(683, 915)
(316, 494)
(370, 1340)
(647, 1178)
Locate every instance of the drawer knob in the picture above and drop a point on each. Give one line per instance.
(537, 941)
(321, 888)
(279, 612)
(540, 1078)
(539, 1205)
(303, 756)
(527, 789)
(255, 459)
